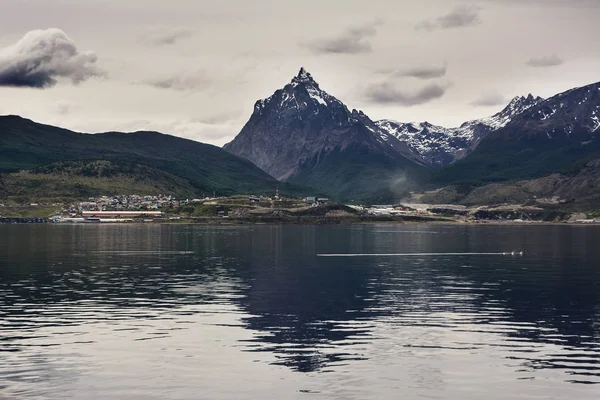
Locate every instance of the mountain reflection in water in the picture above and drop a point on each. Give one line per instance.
(147, 309)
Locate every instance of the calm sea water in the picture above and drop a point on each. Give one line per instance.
(195, 312)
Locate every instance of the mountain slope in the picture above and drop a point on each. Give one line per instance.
(302, 134)
(25, 144)
(437, 146)
(558, 135)
(576, 191)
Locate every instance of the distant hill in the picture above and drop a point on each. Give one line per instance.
(149, 159)
(303, 135)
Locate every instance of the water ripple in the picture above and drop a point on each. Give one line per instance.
(150, 310)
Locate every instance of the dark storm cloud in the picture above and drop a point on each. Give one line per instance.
(42, 56)
(489, 99)
(461, 16)
(165, 36)
(354, 41)
(388, 93)
(545, 61)
(180, 82)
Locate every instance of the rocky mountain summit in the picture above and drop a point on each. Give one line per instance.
(572, 114)
(304, 135)
(299, 122)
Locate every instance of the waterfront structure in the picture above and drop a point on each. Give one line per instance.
(122, 214)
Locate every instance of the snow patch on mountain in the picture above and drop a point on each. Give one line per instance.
(596, 121)
(317, 95)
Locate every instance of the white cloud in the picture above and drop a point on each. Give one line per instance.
(42, 57)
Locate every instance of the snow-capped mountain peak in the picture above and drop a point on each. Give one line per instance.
(521, 103)
(299, 122)
(576, 110)
(516, 106)
(438, 146)
(301, 93)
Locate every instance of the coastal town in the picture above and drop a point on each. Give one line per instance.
(263, 209)
(164, 208)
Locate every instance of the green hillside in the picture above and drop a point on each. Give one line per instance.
(161, 160)
(500, 158)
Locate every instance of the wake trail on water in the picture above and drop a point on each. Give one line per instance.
(510, 253)
(140, 252)
(419, 232)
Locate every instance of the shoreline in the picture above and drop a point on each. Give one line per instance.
(306, 220)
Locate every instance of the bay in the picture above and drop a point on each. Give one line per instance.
(244, 312)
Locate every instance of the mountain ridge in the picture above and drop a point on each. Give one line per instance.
(559, 134)
(438, 146)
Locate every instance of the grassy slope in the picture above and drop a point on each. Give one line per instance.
(358, 175)
(25, 144)
(28, 211)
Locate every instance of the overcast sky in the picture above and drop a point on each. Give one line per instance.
(194, 68)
